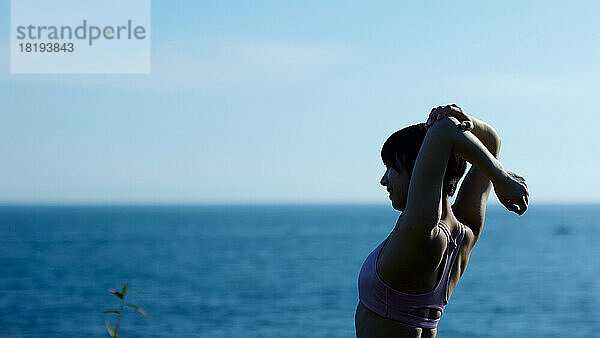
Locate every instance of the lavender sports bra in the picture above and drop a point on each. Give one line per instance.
(390, 303)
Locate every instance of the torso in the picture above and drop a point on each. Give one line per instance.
(413, 268)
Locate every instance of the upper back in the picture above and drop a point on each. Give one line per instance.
(416, 266)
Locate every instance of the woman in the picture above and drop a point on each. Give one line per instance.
(405, 283)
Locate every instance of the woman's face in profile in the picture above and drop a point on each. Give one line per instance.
(396, 183)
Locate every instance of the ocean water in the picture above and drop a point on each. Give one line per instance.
(279, 271)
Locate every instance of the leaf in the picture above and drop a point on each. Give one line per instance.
(116, 293)
(124, 290)
(138, 308)
(113, 311)
(111, 331)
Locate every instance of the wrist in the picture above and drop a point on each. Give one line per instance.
(499, 175)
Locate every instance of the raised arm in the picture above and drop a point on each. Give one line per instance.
(470, 205)
(423, 207)
(471, 200)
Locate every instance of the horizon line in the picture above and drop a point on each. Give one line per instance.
(264, 203)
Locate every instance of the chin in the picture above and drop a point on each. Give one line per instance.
(397, 207)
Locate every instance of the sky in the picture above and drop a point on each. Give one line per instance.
(290, 102)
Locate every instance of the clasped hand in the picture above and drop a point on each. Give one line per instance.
(510, 188)
(439, 112)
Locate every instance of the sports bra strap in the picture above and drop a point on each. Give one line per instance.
(451, 241)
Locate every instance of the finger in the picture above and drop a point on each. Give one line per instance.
(508, 205)
(458, 113)
(522, 205)
(517, 208)
(513, 207)
(432, 116)
(442, 113)
(455, 105)
(522, 208)
(521, 178)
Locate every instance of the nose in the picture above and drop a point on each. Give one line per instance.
(384, 179)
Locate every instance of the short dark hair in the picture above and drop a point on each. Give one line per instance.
(405, 144)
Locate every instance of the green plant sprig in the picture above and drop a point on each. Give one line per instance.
(114, 332)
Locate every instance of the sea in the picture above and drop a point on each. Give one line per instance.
(278, 271)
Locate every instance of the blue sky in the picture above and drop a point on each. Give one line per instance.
(277, 102)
